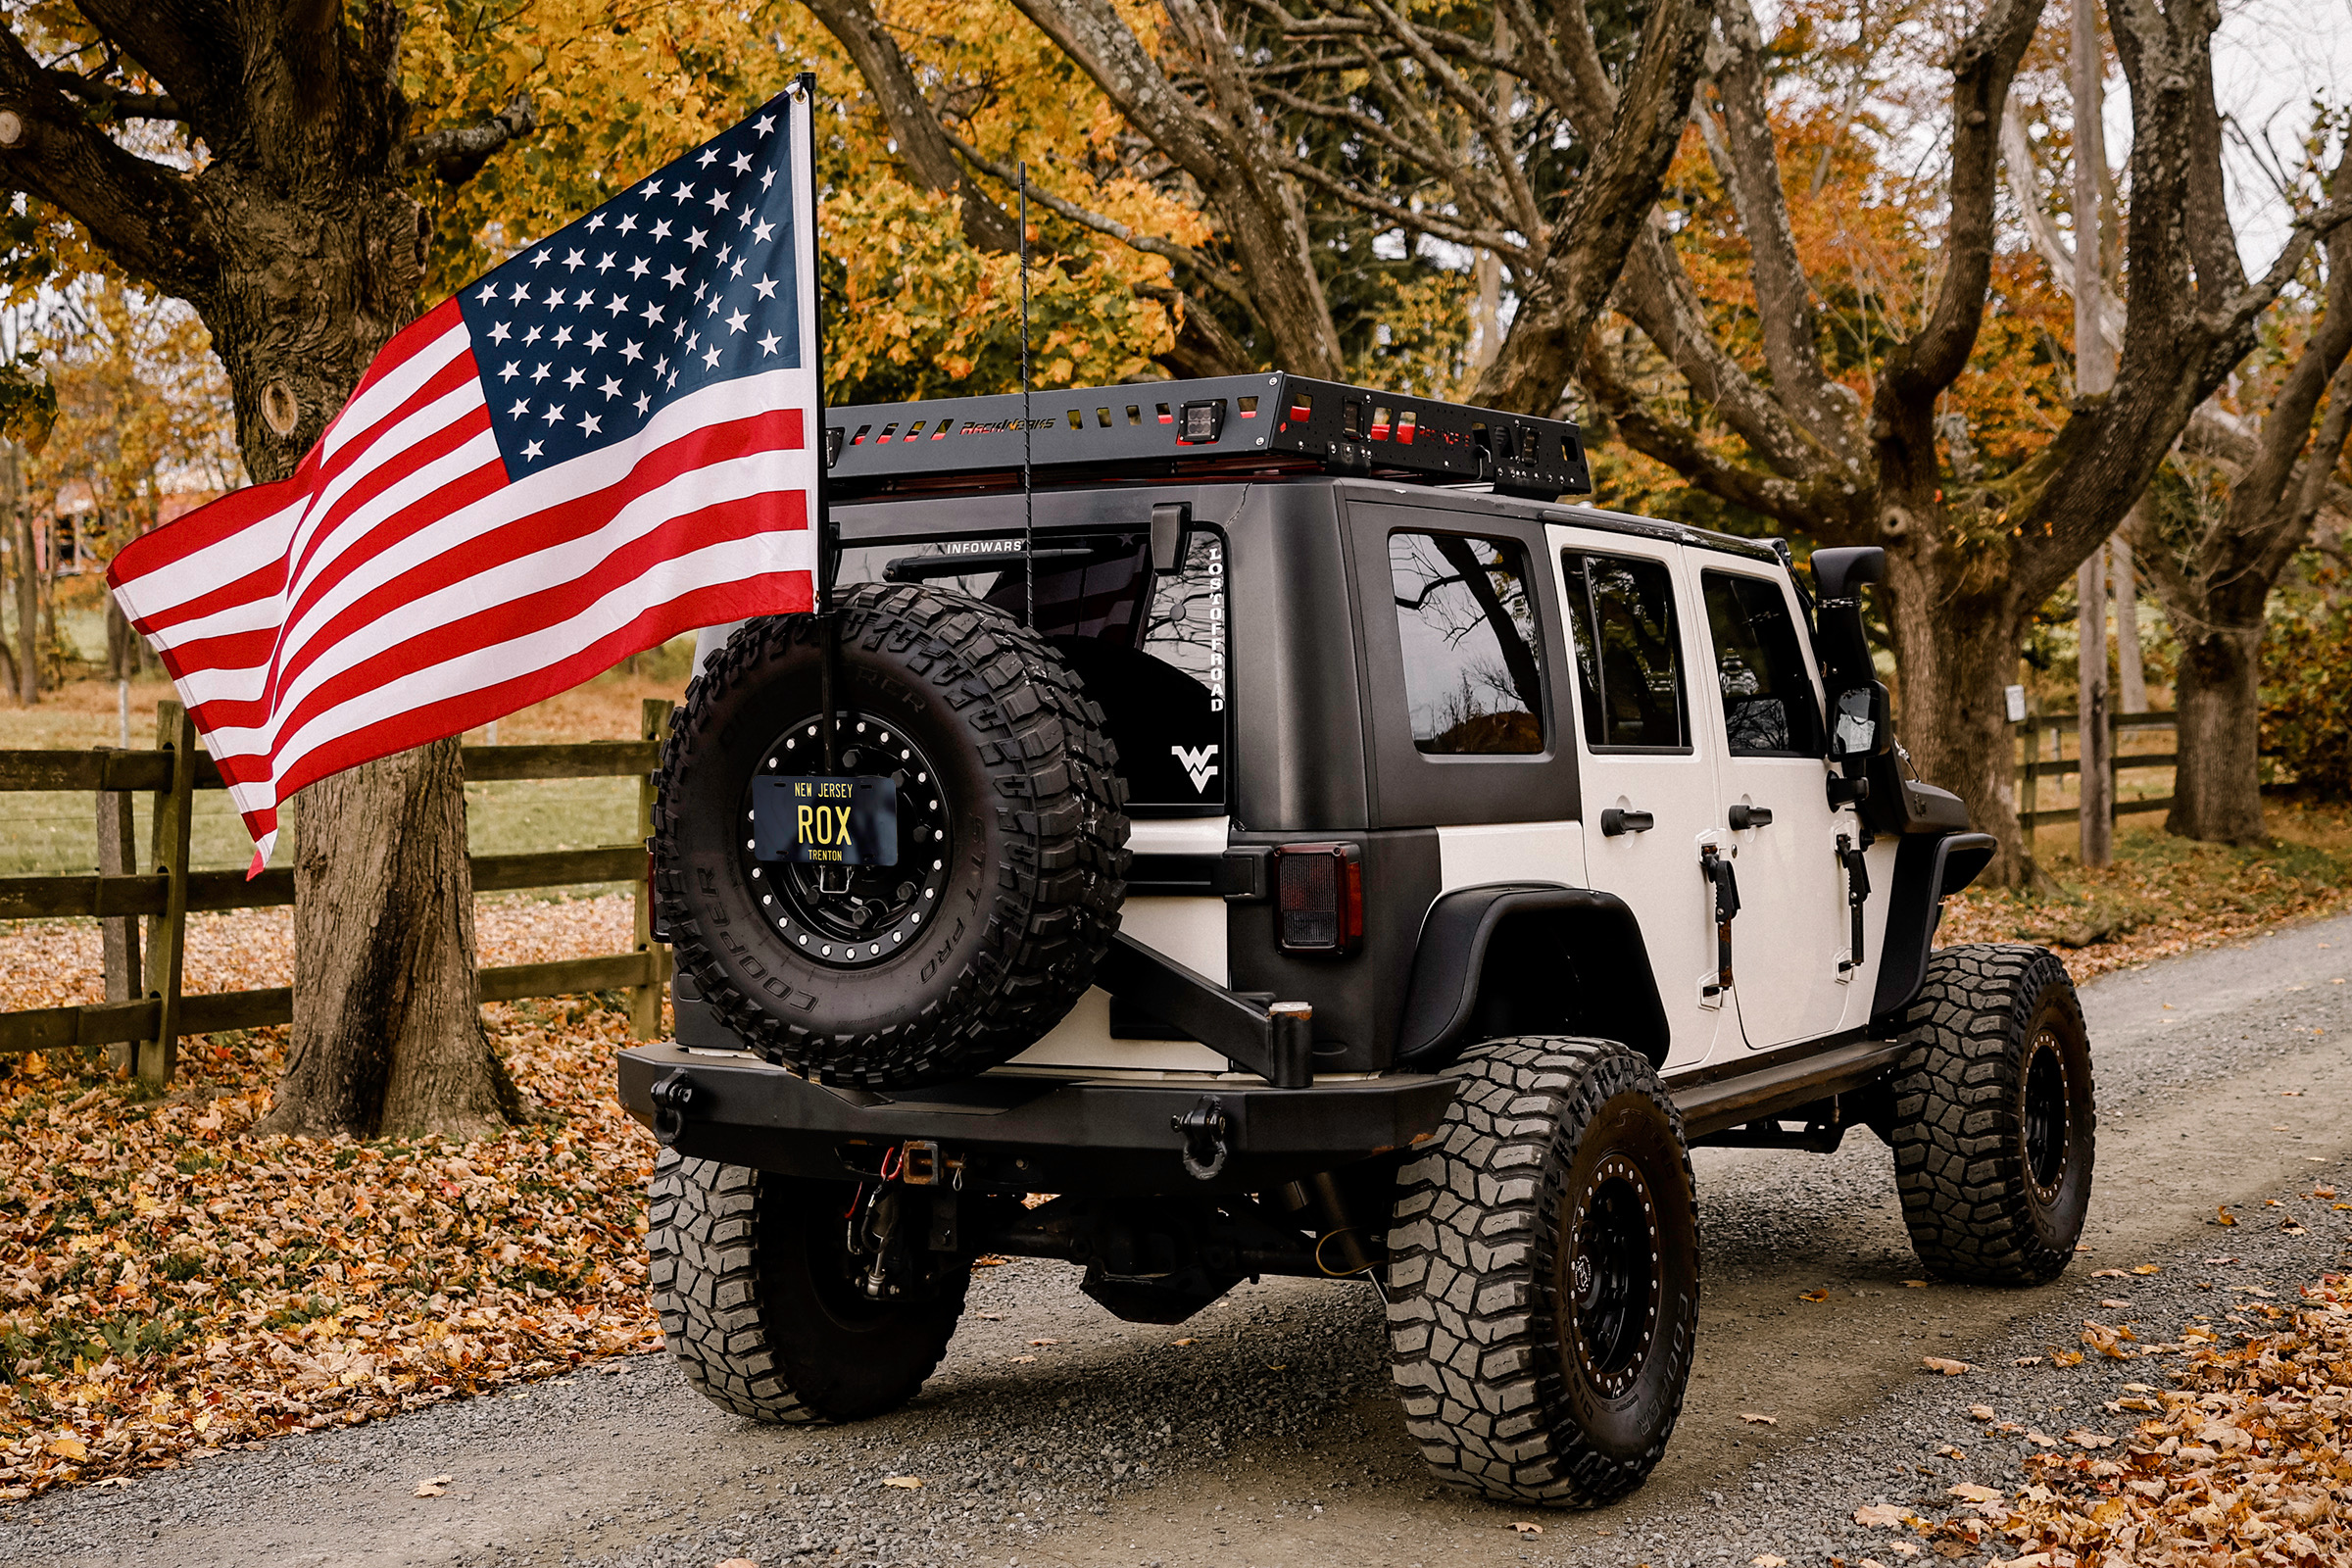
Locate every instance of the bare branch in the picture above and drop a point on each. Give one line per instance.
(138, 212)
(114, 101)
(457, 153)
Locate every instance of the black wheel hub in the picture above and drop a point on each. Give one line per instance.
(1612, 1276)
(2047, 1116)
(851, 918)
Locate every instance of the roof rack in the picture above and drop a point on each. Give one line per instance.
(1232, 425)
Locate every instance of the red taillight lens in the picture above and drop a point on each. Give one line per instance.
(1319, 898)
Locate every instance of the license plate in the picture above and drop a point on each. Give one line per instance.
(825, 821)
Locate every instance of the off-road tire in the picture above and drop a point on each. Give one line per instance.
(1514, 1382)
(1995, 1122)
(1028, 899)
(733, 1255)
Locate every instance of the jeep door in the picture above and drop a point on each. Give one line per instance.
(1763, 708)
(1649, 786)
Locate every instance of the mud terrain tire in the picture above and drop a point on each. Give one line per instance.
(1995, 1125)
(1012, 861)
(1543, 1284)
(747, 1279)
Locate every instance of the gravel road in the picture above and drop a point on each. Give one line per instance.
(1261, 1432)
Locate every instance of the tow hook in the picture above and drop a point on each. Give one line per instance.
(672, 1096)
(1203, 1129)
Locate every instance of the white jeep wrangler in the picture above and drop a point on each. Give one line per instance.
(1305, 847)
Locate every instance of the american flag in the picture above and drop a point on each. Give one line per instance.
(606, 442)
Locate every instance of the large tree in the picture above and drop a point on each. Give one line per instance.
(256, 160)
(1971, 555)
(2214, 573)
(1405, 120)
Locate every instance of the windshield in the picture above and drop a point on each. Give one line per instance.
(1151, 649)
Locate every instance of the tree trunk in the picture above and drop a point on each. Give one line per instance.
(1956, 637)
(29, 602)
(388, 1039)
(2217, 785)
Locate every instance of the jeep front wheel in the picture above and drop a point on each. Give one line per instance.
(1542, 1295)
(1994, 1121)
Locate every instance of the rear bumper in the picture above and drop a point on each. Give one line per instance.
(1031, 1134)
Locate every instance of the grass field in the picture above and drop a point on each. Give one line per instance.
(56, 834)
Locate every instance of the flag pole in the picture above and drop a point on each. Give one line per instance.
(829, 634)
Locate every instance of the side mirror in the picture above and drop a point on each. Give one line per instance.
(1858, 728)
(1171, 523)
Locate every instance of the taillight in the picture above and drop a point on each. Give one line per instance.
(1319, 898)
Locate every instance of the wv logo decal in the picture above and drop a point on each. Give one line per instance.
(1199, 766)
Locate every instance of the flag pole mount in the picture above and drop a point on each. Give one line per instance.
(828, 541)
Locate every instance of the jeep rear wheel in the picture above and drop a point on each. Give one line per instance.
(1995, 1119)
(1005, 858)
(1544, 1274)
(762, 1304)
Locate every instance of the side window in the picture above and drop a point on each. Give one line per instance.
(1768, 704)
(1629, 654)
(1473, 677)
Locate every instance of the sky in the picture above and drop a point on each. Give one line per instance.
(2270, 60)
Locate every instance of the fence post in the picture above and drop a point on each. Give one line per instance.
(2033, 790)
(644, 1000)
(166, 932)
(119, 856)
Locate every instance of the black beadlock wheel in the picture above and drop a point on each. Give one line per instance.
(1011, 841)
(1996, 1124)
(760, 1300)
(1543, 1282)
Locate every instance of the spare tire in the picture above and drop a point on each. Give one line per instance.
(986, 926)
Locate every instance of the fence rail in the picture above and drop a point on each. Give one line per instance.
(154, 1013)
(2032, 769)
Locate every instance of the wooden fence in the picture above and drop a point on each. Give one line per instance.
(146, 1012)
(2055, 726)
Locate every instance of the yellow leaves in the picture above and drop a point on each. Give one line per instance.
(67, 1446)
(2147, 1268)
(1813, 1295)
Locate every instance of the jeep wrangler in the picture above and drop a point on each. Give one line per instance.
(1287, 838)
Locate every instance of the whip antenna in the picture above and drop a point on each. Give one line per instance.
(1028, 496)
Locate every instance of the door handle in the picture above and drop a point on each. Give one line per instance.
(1615, 822)
(1747, 816)
(1716, 867)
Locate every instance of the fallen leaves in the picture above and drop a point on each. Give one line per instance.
(1915, 1285)
(1752, 1418)
(2240, 1462)
(1813, 1295)
(1944, 1364)
(170, 1282)
(904, 1483)
(433, 1487)
(1880, 1516)
(1767, 1560)
(1527, 1526)
(1983, 1412)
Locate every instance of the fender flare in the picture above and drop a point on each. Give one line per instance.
(1442, 999)
(1927, 869)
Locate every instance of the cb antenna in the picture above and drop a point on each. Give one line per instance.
(1028, 496)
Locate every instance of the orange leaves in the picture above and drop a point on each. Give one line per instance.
(171, 1281)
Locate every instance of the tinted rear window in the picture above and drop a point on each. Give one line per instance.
(1151, 649)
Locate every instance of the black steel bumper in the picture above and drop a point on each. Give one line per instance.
(1024, 1133)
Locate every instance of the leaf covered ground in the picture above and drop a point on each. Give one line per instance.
(2165, 895)
(169, 1281)
(2240, 1462)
